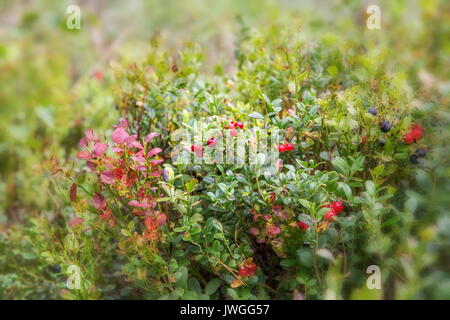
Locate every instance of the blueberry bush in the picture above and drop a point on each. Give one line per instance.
(359, 172)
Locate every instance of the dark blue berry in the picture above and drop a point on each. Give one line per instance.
(414, 159)
(56, 268)
(381, 142)
(373, 111)
(385, 126)
(421, 152)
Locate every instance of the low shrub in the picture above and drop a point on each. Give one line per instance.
(204, 229)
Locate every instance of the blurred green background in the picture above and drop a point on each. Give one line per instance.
(55, 83)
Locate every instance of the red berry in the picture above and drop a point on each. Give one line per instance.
(408, 137)
(212, 142)
(196, 147)
(289, 146)
(239, 125)
(302, 225)
(337, 206)
(417, 134)
(329, 216)
(281, 148)
(97, 74)
(417, 131)
(243, 272)
(247, 271)
(230, 125)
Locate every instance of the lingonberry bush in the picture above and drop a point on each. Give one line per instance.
(211, 229)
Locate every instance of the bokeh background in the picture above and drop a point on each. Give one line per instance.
(55, 83)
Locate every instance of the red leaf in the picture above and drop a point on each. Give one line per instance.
(75, 221)
(154, 151)
(99, 201)
(73, 192)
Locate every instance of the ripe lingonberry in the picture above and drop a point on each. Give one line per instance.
(196, 147)
(329, 216)
(97, 74)
(247, 270)
(239, 125)
(281, 148)
(337, 206)
(302, 225)
(408, 138)
(289, 147)
(417, 131)
(230, 125)
(212, 142)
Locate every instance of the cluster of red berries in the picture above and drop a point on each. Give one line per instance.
(414, 134)
(336, 208)
(235, 125)
(247, 270)
(285, 147)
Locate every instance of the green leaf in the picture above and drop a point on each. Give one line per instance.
(241, 179)
(305, 257)
(345, 188)
(370, 187)
(233, 294)
(256, 115)
(333, 71)
(378, 170)
(341, 166)
(357, 165)
(125, 232)
(305, 203)
(213, 285)
(190, 185)
(194, 285)
(288, 263)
